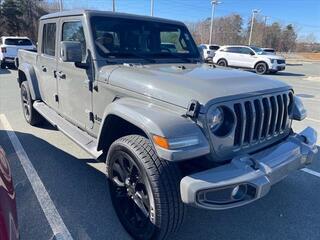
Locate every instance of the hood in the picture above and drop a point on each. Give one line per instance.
(179, 84)
(272, 56)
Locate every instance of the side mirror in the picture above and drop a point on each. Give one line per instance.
(71, 51)
(252, 53)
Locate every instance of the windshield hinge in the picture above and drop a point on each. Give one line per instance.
(193, 109)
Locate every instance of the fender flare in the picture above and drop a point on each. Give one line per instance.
(30, 75)
(156, 120)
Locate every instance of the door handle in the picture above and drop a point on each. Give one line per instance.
(44, 69)
(61, 75)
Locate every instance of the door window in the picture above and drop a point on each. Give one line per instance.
(232, 50)
(73, 31)
(245, 50)
(49, 39)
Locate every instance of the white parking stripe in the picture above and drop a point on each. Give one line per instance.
(314, 173)
(56, 223)
(312, 119)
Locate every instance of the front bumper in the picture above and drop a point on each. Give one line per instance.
(277, 67)
(9, 60)
(249, 177)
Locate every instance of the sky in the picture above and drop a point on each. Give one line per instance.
(303, 14)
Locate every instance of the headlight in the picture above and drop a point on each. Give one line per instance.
(299, 112)
(272, 60)
(215, 118)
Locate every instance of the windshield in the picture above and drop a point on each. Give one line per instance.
(259, 51)
(18, 42)
(117, 39)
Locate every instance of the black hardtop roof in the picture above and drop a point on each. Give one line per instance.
(106, 13)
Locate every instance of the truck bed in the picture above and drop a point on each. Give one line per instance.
(27, 57)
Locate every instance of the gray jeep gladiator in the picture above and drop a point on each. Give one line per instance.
(172, 130)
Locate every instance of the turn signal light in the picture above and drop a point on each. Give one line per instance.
(161, 141)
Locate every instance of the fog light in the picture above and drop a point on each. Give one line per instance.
(239, 192)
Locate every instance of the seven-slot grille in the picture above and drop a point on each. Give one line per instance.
(262, 118)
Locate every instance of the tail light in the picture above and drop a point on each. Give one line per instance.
(3, 50)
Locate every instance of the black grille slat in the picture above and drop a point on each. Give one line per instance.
(280, 115)
(285, 112)
(274, 115)
(260, 119)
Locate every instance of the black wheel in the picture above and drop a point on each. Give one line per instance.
(261, 68)
(30, 114)
(222, 63)
(2, 65)
(144, 189)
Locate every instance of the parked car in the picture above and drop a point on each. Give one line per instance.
(172, 130)
(207, 51)
(269, 50)
(8, 210)
(9, 47)
(249, 57)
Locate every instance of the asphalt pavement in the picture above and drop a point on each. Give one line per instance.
(77, 189)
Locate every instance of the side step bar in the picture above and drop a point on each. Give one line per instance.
(79, 136)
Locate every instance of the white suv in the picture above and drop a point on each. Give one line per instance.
(249, 57)
(9, 47)
(207, 51)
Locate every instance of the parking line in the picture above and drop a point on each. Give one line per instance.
(314, 120)
(314, 173)
(56, 223)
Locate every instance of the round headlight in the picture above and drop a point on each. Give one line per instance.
(215, 118)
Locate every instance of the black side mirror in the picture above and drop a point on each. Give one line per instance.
(252, 53)
(71, 51)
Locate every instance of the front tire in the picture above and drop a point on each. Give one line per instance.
(144, 189)
(30, 114)
(261, 68)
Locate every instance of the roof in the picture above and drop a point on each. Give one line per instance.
(14, 37)
(106, 13)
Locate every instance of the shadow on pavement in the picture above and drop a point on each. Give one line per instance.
(290, 74)
(294, 64)
(4, 71)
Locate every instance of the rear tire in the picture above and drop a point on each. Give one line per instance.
(261, 68)
(2, 65)
(30, 114)
(146, 195)
(222, 63)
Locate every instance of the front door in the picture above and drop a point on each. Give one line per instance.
(75, 95)
(47, 63)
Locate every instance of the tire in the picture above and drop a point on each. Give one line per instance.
(157, 182)
(222, 63)
(261, 68)
(2, 65)
(30, 114)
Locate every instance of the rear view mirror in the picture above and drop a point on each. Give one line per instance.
(71, 51)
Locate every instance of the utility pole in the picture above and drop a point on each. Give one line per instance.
(254, 12)
(152, 7)
(60, 6)
(113, 5)
(213, 8)
(264, 30)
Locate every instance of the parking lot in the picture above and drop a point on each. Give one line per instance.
(78, 189)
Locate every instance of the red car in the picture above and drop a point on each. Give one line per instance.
(8, 211)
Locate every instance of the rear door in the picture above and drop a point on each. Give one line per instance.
(232, 56)
(47, 62)
(75, 94)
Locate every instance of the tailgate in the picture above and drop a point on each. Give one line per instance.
(12, 50)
